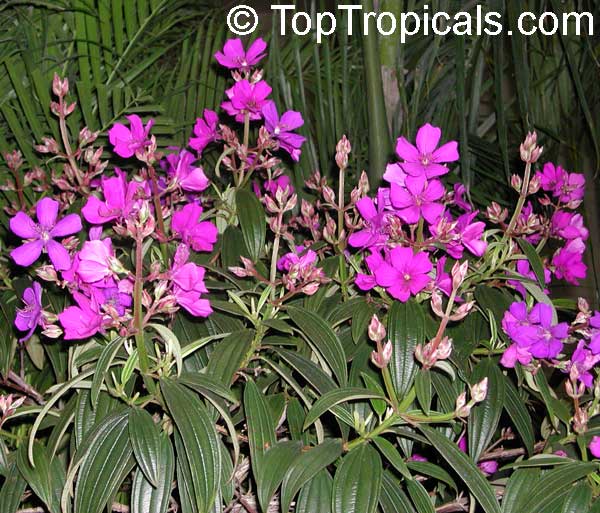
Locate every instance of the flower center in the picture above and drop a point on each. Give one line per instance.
(406, 277)
(426, 159)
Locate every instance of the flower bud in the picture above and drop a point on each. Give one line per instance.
(329, 230)
(363, 183)
(496, 214)
(47, 273)
(376, 329)
(530, 151)
(479, 390)
(381, 358)
(580, 421)
(534, 185)
(52, 331)
(310, 288)
(60, 87)
(270, 204)
(462, 311)
(444, 349)
(328, 195)
(342, 150)
(516, 182)
(436, 303)
(459, 272)
(462, 408)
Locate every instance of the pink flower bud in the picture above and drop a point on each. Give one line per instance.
(496, 213)
(459, 272)
(463, 409)
(270, 204)
(311, 288)
(516, 182)
(342, 149)
(60, 87)
(52, 331)
(462, 311)
(328, 195)
(329, 231)
(436, 303)
(363, 183)
(479, 390)
(595, 446)
(376, 329)
(240, 272)
(444, 349)
(534, 185)
(47, 273)
(307, 209)
(381, 357)
(530, 151)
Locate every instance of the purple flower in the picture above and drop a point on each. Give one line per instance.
(572, 189)
(417, 457)
(594, 334)
(132, 140)
(551, 177)
(246, 98)
(367, 281)
(550, 337)
(281, 128)
(280, 183)
(418, 198)
(488, 467)
(404, 273)
(426, 158)
(29, 316)
(581, 362)
(200, 235)
(595, 446)
(302, 258)
(466, 234)
(394, 174)
(41, 235)
(205, 130)
(83, 320)
(234, 56)
(568, 262)
(443, 280)
(513, 354)
(459, 201)
(375, 221)
(113, 297)
(517, 325)
(121, 199)
(184, 174)
(568, 225)
(97, 261)
(462, 443)
(188, 284)
(524, 269)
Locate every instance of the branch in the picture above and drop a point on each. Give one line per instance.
(15, 381)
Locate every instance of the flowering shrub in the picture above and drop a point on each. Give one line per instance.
(204, 340)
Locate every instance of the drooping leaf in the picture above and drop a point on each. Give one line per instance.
(261, 425)
(519, 415)
(251, 215)
(357, 481)
(315, 496)
(145, 440)
(12, 490)
(277, 460)
(420, 497)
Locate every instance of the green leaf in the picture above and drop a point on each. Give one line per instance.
(104, 362)
(155, 499)
(322, 339)
(204, 384)
(556, 408)
(578, 500)
(429, 469)
(517, 489)
(392, 498)
(420, 497)
(465, 468)
(199, 440)
(108, 459)
(554, 484)
(228, 355)
(534, 260)
(518, 413)
(8, 341)
(12, 490)
(171, 342)
(144, 435)
(306, 466)
(357, 481)
(406, 329)
(276, 462)
(46, 478)
(423, 389)
(391, 454)
(261, 425)
(337, 396)
(485, 416)
(251, 215)
(315, 496)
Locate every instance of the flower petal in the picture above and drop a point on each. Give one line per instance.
(28, 253)
(23, 226)
(428, 138)
(47, 212)
(68, 225)
(59, 256)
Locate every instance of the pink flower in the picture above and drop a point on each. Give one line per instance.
(418, 198)
(367, 281)
(29, 316)
(246, 98)
(280, 183)
(205, 130)
(462, 443)
(302, 258)
(581, 362)
(595, 446)
(233, 55)
(184, 174)
(200, 235)
(568, 225)
(41, 235)
(394, 174)
(459, 201)
(97, 261)
(132, 140)
(375, 221)
(81, 321)
(551, 177)
(443, 280)
(417, 457)
(426, 158)
(188, 284)
(568, 262)
(404, 273)
(466, 234)
(513, 354)
(524, 269)
(572, 189)
(122, 199)
(281, 128)
(488, 467)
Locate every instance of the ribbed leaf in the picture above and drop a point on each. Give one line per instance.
(204, 384)
(323, 340)
(106, 357)
(315, 496)
(108, 459)
(228, 356)
(12, 490)
(261, 425)
(357, 481)
(485, 416)
(392, 498)
(517, 489)
(146, 498)
(578, 500)
(145, 440)
(420, 497)
(391, 454)
(251, 215)
(199, 440)
(276, 462)
(46, 478)
(519, 415)
(534, 260)
(465, 468)
(306, 466)
(406, 329)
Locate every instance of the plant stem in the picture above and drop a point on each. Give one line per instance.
(340, 228)
(521, 201)
(420, 231)
(389, 387)
(275, 253)
(64, 134)
(158, 212)
(246, 129)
